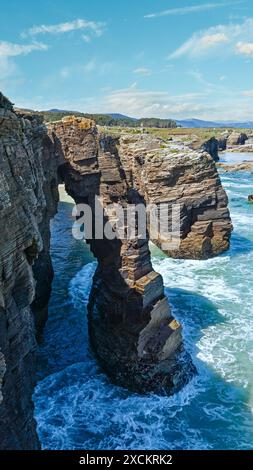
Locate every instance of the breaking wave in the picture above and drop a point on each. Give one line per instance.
(76, 406)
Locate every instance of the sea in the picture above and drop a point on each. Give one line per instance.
(76, 405)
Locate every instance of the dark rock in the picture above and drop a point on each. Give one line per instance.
(237, 138)
(28, 190)
(211, 146)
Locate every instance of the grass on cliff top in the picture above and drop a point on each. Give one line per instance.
(183, 133)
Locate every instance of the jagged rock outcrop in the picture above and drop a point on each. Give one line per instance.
(236, 138)
(27, 200)
(187, 178)
(211, 146)
(222, 139)
(132, 310)
(132, 330)
(131, 327)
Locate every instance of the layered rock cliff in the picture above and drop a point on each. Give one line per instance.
(27, 201)
(132, 331)
(210, 145)
(185, 178)
(131, 327)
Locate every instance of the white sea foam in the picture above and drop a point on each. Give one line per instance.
(80, 285)
(78, 407)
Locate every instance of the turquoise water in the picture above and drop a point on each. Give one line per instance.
(235, 157)
(76, 406)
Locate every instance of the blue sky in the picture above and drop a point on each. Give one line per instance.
(164, 58)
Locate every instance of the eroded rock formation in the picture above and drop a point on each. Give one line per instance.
(187, 178)
(28, 197)
(132, 330)
(210, 146)
(131, 327)
(236, 138)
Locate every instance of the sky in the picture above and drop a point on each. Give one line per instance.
(142, 58)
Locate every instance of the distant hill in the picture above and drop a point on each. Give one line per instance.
(110, 120)
(198, 123)
(55, 110)
(120, 120)
(240, 125)
(120, 116)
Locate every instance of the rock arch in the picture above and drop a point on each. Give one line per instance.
(131, 327)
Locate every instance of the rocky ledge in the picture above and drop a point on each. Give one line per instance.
(243, 166)
(132, 330)
(246, 148)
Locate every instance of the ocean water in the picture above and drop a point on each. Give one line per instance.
(235, 157)
(76, 406)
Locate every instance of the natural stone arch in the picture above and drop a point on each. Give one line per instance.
(132, 330)
(30, 155)
(131, 327)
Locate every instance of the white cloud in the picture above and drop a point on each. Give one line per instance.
(191, 9)
(86, 38)
(65, 72)
(94, 28)
(225, 106)
(210, 40)
(87, 69)
(90, 66)
(248, 93)
(142, 103)
(221, 39)
(9, 50)
(137, 102)
(7, 68)
(101, 69)
(244, 48)
(142, 71)
(199, 77)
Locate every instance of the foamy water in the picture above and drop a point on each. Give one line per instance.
(77, 407)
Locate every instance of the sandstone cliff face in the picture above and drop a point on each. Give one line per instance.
(210, 146)
(132, 330)
(131, 327)
(26, 203)
(187, 178)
